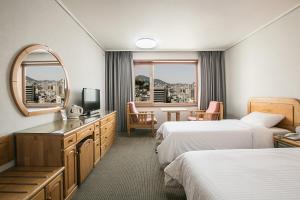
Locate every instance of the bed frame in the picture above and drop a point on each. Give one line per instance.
(289, 107)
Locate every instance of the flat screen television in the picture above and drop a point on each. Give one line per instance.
(90, 100)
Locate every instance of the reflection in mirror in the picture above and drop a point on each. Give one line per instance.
(39, 81)
(44, 85)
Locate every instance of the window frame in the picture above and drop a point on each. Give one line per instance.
(151, 103)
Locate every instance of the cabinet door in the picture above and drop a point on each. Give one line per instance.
(70, 175)
(86, 159)
(54, 190)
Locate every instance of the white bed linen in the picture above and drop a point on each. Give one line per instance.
(180, 137)
(248, 174)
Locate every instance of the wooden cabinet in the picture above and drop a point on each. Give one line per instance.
(107, 132)
(54, 190)
(56, 145)
(32, 183)
(70, 176)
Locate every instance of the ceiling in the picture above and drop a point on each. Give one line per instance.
(177, 25)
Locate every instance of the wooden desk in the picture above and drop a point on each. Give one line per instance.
(175, 110)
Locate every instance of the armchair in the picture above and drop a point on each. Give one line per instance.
(136, 119)
(215, 111)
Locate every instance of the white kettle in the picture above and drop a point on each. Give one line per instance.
(74, 112)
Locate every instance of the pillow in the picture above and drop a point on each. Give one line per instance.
(267, 120)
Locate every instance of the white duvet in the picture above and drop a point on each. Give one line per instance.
(180, 137)
(248, 174)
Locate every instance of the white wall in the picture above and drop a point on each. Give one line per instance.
(265, 65)
(165, 55)
(34, 21)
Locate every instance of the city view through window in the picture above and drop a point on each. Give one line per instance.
(166, 83)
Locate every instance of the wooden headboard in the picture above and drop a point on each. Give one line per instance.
(289, 107)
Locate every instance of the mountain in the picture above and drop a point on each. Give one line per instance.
(142, 78)
(160, 82)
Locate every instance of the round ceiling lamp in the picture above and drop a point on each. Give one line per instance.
(146, 43)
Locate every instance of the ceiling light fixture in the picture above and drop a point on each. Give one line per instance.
(146, 43)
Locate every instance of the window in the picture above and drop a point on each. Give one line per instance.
(170, 82)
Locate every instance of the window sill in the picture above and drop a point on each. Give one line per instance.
(138, 104)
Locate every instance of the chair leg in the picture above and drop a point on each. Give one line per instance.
(128, 131)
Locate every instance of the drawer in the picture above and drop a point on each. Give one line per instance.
(108, 119)
(106, 128)
(69, 140)
(85, 132)
(97, 149)
(105, 139)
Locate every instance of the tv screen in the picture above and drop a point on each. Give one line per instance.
(90, 99)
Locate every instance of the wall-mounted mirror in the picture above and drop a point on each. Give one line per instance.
(39, 82)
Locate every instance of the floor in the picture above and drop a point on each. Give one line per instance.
(130, 170)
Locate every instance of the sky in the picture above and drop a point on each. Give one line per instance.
(45, 73)
(170, 73)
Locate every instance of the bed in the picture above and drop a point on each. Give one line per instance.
(240, 174)
(176, 138)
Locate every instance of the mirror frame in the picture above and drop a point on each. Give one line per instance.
(16, 81)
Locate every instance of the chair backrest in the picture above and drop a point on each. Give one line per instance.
(216, 107)
(131, 108)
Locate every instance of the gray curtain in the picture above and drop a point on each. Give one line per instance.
(118, 84)
(212, 73)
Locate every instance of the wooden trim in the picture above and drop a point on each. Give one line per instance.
(16, 82)
(162, 61)
(140, 104)
(6, 149)
(152, 63)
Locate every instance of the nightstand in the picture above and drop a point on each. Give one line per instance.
(280, 142)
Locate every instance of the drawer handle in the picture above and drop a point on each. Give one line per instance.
(69, 141)
(105, 137)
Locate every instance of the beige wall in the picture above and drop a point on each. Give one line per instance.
(165, 55)
(43, 21)
(265, 65)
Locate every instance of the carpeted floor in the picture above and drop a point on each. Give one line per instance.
(130, 170)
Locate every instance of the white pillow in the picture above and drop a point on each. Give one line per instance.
(267, 120)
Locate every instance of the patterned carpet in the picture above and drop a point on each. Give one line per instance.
(130, 170)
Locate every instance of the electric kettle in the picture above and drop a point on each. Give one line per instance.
(74, 112)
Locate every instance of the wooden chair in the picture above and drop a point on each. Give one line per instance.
(215, 111)
(136, 119)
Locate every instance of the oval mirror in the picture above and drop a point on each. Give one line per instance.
(39, 81)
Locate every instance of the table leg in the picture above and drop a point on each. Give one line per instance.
(177, 116)
(169, 116)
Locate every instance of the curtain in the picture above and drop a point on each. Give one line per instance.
(212, 74)
(118, 84)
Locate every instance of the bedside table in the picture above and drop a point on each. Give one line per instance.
(280, 142)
